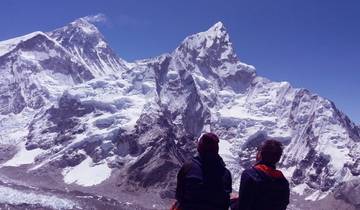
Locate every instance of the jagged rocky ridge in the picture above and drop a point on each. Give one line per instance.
(77, 106)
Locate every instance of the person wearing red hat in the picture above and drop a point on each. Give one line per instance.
(204, 183)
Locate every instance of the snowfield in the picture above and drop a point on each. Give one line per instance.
(86, 173)
(23, 156)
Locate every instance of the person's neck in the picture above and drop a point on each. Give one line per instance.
(266, 163)
(208, 157)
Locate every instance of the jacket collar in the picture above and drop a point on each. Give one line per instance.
(266, 163)
(268, 170)
(216, 160)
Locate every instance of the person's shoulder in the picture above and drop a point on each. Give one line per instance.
(227, 170)
(249, 171)
(187, 165)
(192, 169)
(284, 181)
(194, 161)
(252, 173)
(227, 173)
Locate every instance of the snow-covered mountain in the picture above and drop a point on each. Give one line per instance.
(83, 40)
(90, 120)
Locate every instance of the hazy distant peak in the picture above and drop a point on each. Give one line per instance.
(84, 25)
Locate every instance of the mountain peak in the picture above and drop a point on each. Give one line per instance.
(82, 38)
(84, 25)
(80, 30)
(217, 29)
(218, 25)
(213, 37)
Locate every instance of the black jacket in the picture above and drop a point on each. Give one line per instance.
(263, 188)
(204, 184)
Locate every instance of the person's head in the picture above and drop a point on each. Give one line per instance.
(270, 152)
(208, 145)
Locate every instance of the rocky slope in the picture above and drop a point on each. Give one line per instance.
(73, 106)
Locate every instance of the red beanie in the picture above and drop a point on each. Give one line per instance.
(208, 145)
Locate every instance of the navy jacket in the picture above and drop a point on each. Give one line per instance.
(204, 184)
(263, 188)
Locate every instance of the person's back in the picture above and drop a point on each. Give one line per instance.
(262, 187)
(204, 183)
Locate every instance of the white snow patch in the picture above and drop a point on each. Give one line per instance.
(288, 172)
(36, 55)
(14, 126)
(129, 65)
(55, 83)
(317, 195)
(23, 156)
(299, 189)
(239, 109)
(134, 111)
(86, 173)
(101, 44)
(224, 150)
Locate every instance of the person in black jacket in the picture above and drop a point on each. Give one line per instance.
(204, 183)
(262, 187)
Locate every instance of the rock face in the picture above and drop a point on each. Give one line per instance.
(34, 57)
(349, 191)
(67, 94)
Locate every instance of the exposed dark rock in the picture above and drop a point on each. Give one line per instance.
(350, 192)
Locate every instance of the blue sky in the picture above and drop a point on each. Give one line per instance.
(310, 43)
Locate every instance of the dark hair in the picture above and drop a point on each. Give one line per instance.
(208, 144)
(271, 151)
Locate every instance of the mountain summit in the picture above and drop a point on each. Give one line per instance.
(213, 43)
(71, 106)
(83, 39)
